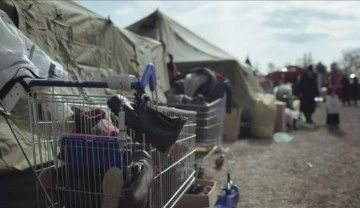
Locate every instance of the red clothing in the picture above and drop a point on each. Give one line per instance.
(338, 91)
(335, 87)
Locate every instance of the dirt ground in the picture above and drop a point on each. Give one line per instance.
(318, 169)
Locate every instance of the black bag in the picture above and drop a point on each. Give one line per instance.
(160, 130)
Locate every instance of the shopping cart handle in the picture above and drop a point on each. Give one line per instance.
(148, 76)
(113, 82)
(62, 83)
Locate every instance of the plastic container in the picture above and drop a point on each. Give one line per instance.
(90, 151)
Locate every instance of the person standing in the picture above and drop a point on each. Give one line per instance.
(334, 93)
(308, 89)
(354, 90)
(345, 82)
(173, 72)
(176, 79)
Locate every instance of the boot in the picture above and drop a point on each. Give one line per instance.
(139, 180)
(294, 125)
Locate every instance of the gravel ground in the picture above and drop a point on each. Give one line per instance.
(318, 169)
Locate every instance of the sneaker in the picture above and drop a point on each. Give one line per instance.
(47, 177)
(309, 125)
(112, 187)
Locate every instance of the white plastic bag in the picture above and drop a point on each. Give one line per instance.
(264, 116)
(20, 56)
(17, 51)
(333, 104)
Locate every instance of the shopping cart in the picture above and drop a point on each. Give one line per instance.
(210, 125)
(71, 167)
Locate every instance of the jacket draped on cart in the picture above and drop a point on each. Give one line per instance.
(210, 84)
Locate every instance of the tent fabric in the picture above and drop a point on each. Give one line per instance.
(87, 45)
(190, 51)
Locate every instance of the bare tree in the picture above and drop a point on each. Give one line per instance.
(320, 68)
(351, 59)
(271, 67)
(305, 60)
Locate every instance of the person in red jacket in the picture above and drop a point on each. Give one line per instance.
(335, 84)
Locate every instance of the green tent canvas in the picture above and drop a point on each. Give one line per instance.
(190, 50)
(88, 46)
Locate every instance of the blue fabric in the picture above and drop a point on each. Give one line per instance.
(99, 152)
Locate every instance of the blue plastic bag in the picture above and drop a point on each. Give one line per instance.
(229, 196)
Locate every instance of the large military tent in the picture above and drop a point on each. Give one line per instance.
(84, 43)
(87, 45)
(190, 50)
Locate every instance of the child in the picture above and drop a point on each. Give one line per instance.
(333, 102)
(332, 108)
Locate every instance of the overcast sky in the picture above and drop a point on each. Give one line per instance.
(268, 31)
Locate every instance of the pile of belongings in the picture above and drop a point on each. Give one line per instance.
(284, 93)
(92, 150)
(202, 85)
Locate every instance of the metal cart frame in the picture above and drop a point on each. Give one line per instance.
(210, 124)
(50, 124)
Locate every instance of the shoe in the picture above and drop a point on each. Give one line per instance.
(308, 125)
(139, 179)
(112, 186)
(47, 177)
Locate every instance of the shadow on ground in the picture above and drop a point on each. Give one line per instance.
(337, 132)
(260, 142)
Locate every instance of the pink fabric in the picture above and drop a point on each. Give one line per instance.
(107, 129)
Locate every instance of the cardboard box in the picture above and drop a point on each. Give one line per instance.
(232, 125)
(199, 201)
(280, 122)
